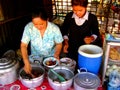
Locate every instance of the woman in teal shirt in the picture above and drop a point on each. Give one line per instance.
(44, 37)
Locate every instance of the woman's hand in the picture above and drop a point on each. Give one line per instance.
(28, 68)
(58, 49)
(88, 39)
(56, 56)
(65, 46)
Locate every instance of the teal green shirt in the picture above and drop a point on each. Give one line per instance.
(45, 46)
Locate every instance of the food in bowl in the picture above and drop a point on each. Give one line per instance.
(50, 62)
(35, 71)
(66, 62)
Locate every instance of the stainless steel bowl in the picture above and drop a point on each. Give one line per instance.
(47, 66)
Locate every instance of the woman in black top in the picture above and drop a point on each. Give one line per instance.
(80, 27)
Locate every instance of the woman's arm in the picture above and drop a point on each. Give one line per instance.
(58, 49)
(27, 66)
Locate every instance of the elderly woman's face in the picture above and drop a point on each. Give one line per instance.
(39, 23)
(79, 10)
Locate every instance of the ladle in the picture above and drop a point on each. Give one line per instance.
(32, 75)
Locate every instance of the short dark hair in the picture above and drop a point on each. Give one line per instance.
(83, 3)
(39, 13)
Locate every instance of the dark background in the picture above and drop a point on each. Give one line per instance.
(17, 13)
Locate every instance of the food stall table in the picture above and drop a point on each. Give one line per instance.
(44, 86)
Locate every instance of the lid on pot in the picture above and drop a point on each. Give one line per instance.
(6, 63)
(8, 59)
(87, 80)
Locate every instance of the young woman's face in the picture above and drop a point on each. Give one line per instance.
(79, 11)
(39, 23)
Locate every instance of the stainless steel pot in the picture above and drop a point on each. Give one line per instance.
(32, 82)
(63, 71)
(8, 70)
(86, 81)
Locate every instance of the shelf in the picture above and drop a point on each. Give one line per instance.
(106, 57)
(114, 62)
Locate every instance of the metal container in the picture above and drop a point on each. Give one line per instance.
(35, 59)
(68, 62)
(90, 57)
(32, 82)
(63, 71)
(47, 67)
(86, 81)
(8, 70)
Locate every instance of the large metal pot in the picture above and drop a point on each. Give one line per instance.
(86, 81)
(63, 71)
(8, 70)
(32, 82)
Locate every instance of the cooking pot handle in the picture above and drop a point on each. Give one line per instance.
(82, 70)
(37, 61)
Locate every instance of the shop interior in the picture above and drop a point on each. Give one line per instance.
(15, 14)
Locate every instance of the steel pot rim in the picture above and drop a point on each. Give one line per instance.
(61, 67)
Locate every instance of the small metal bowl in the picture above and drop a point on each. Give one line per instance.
(50, 62)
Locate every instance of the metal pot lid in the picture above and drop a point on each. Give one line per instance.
(6, 63)
(87, 80)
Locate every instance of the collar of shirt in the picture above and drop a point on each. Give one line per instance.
(80, 21)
